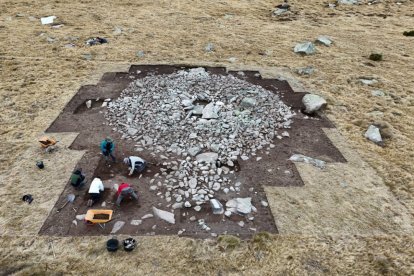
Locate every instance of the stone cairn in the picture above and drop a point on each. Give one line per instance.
(199, 124)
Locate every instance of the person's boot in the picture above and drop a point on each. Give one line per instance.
(90, 203)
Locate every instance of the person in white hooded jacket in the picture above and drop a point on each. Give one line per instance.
(95, 191)
(135, 164)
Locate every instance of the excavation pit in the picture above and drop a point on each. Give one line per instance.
(267, 166)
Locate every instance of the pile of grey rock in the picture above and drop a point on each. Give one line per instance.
(199, 124)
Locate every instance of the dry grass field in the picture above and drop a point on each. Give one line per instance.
(39, 74)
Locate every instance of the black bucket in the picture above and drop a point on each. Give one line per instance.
(40, 164)
(129, 244)
(112, 245)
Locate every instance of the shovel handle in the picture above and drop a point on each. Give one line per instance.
(62, 206)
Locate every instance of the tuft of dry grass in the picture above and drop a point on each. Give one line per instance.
(37, 79)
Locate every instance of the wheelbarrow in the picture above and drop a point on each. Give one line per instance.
(94, 216)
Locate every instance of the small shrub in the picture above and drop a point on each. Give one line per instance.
(408, 33)
(261, 239)
(228, 241)
(375, 57)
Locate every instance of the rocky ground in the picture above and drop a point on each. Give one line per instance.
(43, 66)
(208, 120)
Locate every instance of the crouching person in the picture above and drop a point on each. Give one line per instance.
(135, 164)
(78, 179)
(125, 190)
(95, 191)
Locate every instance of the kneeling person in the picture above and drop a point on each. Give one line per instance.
(135, 164)
(95, 191)
(125, 190)
(77, 179)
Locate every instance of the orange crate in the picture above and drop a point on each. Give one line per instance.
(93, 213)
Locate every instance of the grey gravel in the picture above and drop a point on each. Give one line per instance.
(198, 124)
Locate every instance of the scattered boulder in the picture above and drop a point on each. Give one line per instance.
(377, 93)
(248, 102)
(279, 11)
(147, 216)
(307, 48)
(348, 2)
(88, 104)
(216, 206)
(47, 20)
(164, 215)
(375, 57)
(305, 71)
(373, 134)
(210, 111)
(309, 160)
(324, 40)
(313, 103)
(194, 151)
(207, 157)
(136, 222)
(81, 217)
(241, 206)
(117, 226)
(368, 81)
(209, 47)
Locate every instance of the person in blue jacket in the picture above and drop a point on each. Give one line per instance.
(107, 148)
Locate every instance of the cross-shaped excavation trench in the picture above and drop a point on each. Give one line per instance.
(207, 134)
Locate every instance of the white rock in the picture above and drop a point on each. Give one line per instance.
(147, 216)
(75, 222)
(210, 111)
(136, 222)
(216, 206)
(187, 204)
(197, 208)
(241, 223)
(305, 48)
(324, 40)
(308, 160)
(192, 183)
(47, 20)
(216, 186)
(313, 103)
(373, 134)
(207, 157)
(264, 203)
(241, 206)
(227, 213)
(117, 226)
(348, 2)
(164, 215)
(177, 205)
(81, 217)
(88, 104)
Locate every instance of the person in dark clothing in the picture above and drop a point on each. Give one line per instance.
(107, 148)
(78, 179)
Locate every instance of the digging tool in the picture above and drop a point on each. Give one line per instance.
(70, 198)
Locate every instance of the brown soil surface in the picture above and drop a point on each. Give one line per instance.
(306, 137)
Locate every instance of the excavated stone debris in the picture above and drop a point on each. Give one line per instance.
(200, 124)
